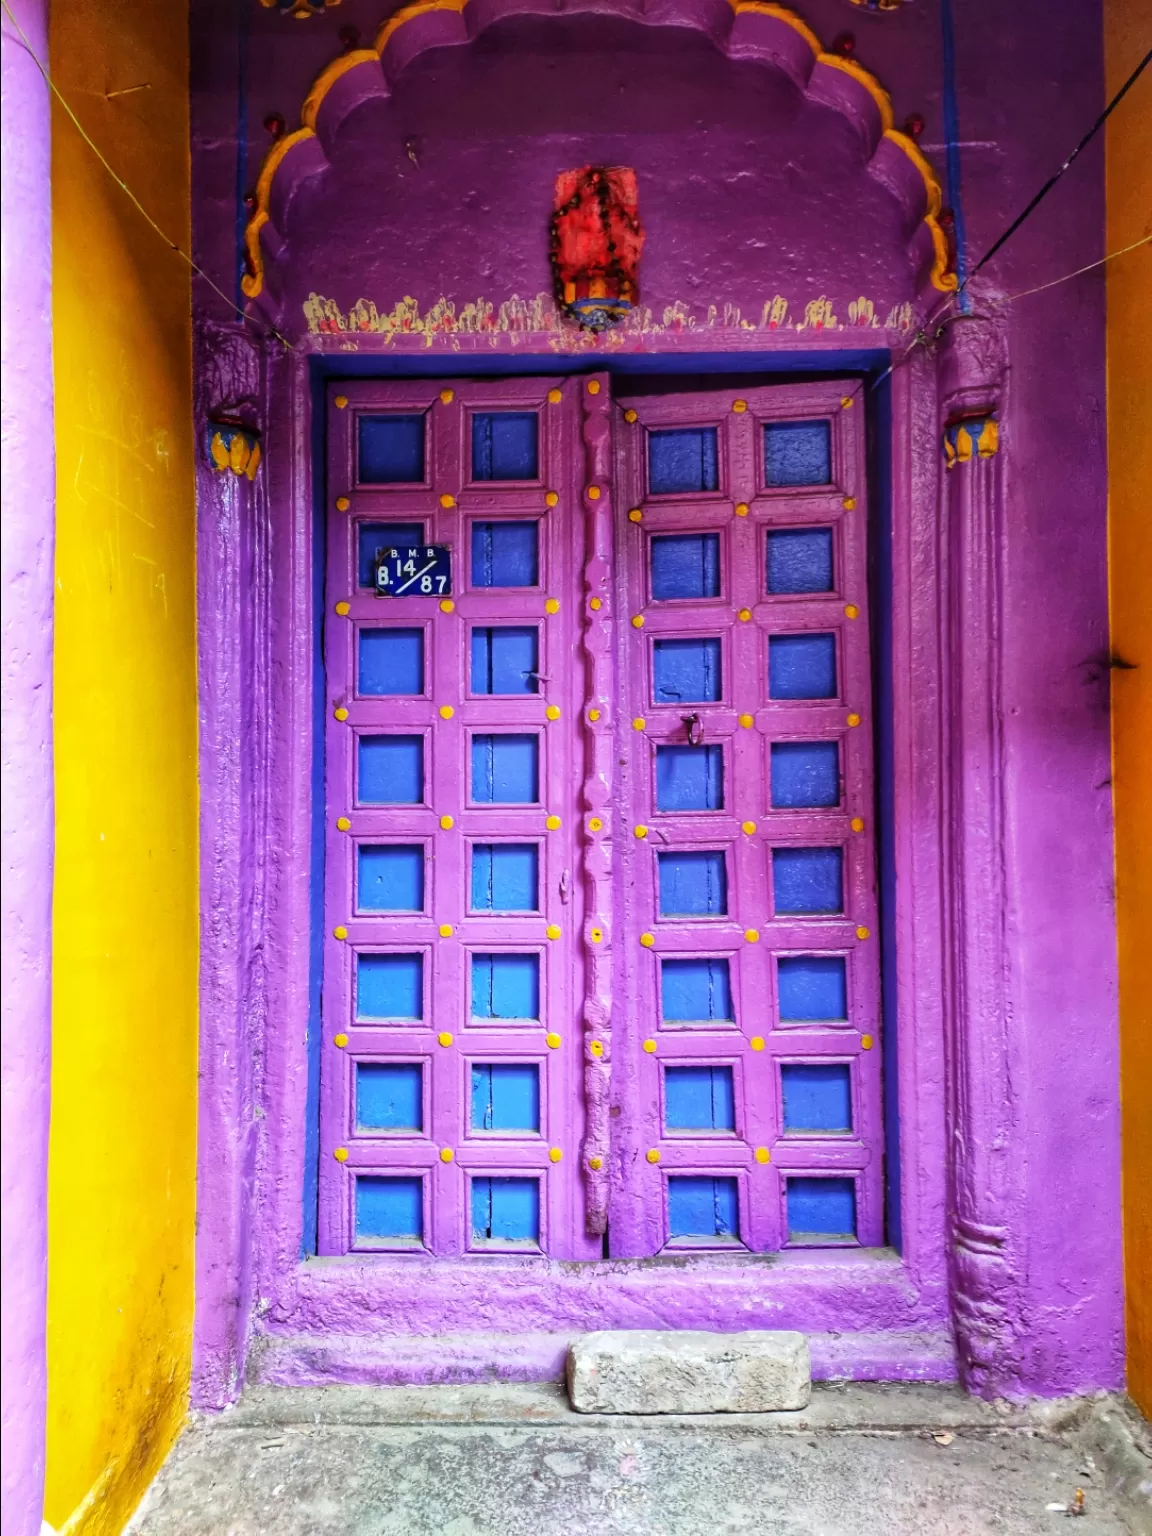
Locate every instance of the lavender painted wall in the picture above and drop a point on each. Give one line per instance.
(750, 190)
(28, 495)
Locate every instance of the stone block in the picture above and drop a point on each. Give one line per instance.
(672, 1371)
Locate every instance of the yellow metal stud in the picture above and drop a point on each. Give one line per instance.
(863, 933)
(638, 621)
(640, 830)
(595, 1163)
(340, 713)
(752, 935)
(447, 605)
(341, 402)
(552, 1041)
(653, 1154)
(554, 1154)
(762, 1155)
(757, 1042)
(444, 1037)
(554, 397)
(851, 611)
(552, 605)
(552, 931)
(593, 715)
(593, 493)
(857, 823)
(446, 711)
(553, 823)
(741, 509)
(341, 1040)
(447, 501)
(853, 719)
(447, 822)
(744, 615)
(847, 402)
(343, 824)
(849, 503)
(595, 604)
(635, 515)
(748, 827)
(551, 498)
(650, 1047)
(596, 935)
(630, 416)
(445, 930)
(343, 609)
(446, 1154)
(866, 1042)
(747, 721)
(596, 1047)
(595, 824)
(552, 712)
(639, 723)
(447, 396)
(739, 406)
(593, 386)
(342, 503)
(340, 932)
(341, 1154)
(647, 939)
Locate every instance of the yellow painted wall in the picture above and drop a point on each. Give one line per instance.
(1130, 557)
(123, 1138)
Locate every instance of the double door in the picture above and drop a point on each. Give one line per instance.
(600, 964)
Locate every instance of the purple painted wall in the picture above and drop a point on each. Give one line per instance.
(757, 190)
(28, 498)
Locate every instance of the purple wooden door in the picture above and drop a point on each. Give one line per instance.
(600, 955)
(746, 1070)
(451, 1116)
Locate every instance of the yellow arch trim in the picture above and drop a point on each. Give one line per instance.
(253, 284)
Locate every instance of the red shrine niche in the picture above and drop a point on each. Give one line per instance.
(596, 244)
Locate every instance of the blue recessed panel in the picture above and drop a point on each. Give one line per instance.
(700, 1206)
(799, 560)
(699, 1098)
(802, 666)
(505, 555)
(821, 1210)
(390, 877)
(504, 445)
(389, 986)
(817, 1096)
(374, 538)
(505, 877)
(506, 1211)
(812, 987)
(505, 1096)
(390, 770)
(695, 991)
(808, 880)
(506, 770)
(390, 662)
(391, 450)
(797, 453)
(686, 671)
(689, 778)
(389, 1096)
(682, 460)
(389, 1210)
(692, 884)
(684, 566)
(505, 986)
(506, 660)
(805, 775)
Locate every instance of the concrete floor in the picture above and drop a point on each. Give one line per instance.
(515, 1461)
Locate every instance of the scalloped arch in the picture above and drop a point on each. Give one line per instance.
(750, 30)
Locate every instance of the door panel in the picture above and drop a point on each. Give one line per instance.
(746, 1074)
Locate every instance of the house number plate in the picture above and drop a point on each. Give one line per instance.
(423, 571)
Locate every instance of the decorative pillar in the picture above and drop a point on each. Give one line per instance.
(28, 523)
(982, 1107)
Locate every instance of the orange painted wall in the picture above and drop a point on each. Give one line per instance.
(1129, 202)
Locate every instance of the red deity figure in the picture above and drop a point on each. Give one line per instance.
(596, 244)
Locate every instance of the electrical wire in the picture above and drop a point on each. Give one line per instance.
(122, 184)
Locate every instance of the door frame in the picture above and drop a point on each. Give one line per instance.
(268, 1312)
